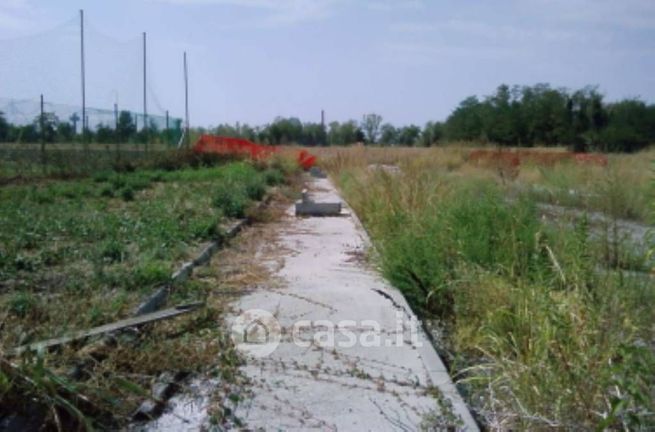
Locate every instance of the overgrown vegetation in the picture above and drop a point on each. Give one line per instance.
(544, 328)
(80, 253)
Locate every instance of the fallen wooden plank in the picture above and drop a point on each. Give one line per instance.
(108, 328)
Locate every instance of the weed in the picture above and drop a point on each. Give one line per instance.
(107, 191)
(231, 199)
(127, 193)
(546, 332)
(113, 251)
(150, 273)
(21, 304)
(274, 177)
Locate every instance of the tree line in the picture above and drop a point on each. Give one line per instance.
(523, 116)
(541, 115)
(50, 129)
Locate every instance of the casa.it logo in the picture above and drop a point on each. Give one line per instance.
(256, 333)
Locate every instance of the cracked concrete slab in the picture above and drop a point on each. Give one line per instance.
(350, 354)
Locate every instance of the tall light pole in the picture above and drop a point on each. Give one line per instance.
(145, 102)
(186, 101)
(83, 78)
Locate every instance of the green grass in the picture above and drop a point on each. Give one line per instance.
(118, 232)
(85, 252)
(543, 330)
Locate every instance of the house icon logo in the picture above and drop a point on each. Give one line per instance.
(256, 332)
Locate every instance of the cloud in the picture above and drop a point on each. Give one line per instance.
(394, 5)
(424, 53)
(626, 14)
(15, 15)
(276, 12)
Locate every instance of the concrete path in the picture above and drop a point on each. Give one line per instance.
(347, 353)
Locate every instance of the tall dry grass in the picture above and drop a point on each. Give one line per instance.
(544, 333)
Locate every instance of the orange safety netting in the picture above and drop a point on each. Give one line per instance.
(240, 146)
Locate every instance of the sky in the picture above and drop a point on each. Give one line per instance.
(410, 61)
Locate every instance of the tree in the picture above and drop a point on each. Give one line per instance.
(49, 123)
(629, 127)
(125, 128)
(65, 132)
(284, 130)
(388, 134)
(465, 123)
(371, 127)
(409, 135)
(314, 134)
(27, 134)
(344, 133)
(4, 128)
(432, 133)
(105, 134)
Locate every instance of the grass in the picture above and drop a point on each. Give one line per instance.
(543, 330)
(84, 252)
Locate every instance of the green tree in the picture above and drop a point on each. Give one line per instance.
(27, 134)
(314, 134)
(465, 123)
(285, 130)
(432, 133)
(629, 127)
(65, 132)
(125, 128)
(371, 127)
(105, 134)
(49, 123)
(409, 135)
(388, 134)
(4, 128)
(344, 133)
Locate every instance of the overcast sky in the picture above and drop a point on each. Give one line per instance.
(409, 60)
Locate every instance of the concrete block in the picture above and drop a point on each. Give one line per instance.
(316, 172)
(310, 208)
(206, 254)
(183, 273)
(154, 302)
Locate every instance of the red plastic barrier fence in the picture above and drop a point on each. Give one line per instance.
(229, 145)
(306, 160)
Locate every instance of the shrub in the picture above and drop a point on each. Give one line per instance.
(107, 191)
(22, 304)
(113, 251)
(273, 176)
(150, 272)
(127, 193)
(101, 176)
(255, 187)
(231, 199)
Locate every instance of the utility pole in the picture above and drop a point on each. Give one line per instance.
(145, 103)
(186, 102)
(166, 134)
(83, 78)
(42, 124)
(116, 137)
